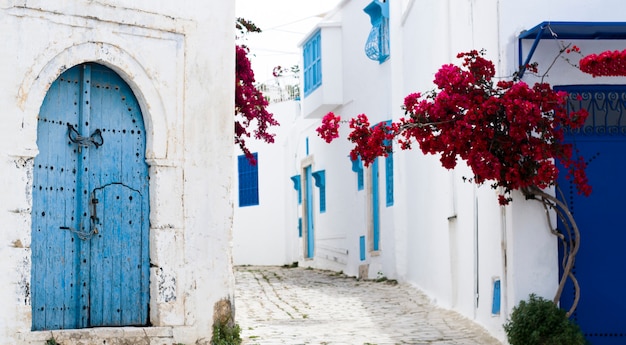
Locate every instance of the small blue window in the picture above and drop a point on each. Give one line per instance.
(377, 45)
(248, 181)
(495, 305)
(357, 167)
(297, 187)
(312, 56)
(389, 179)
(320, 182)
(362, 248)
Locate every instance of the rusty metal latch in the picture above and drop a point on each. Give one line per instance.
(83, 235)
(94, 221)
(94, 139)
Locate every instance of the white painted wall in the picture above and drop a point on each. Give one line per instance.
(184, 87)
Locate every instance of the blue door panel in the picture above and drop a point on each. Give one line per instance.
(90, 199)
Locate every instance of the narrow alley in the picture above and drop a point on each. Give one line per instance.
(277, 305)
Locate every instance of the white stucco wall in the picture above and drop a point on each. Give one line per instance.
(184, 87)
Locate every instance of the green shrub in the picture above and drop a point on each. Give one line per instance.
(225, 334)
(540, 322)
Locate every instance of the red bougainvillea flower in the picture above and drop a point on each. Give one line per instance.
(608, 63)
(250, 106)
(508, 133)
(329, 129)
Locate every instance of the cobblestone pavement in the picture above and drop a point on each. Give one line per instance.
(277, 305)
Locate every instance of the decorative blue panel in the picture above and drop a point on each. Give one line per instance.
(495, 304)
(602, 142)
(377, 44)
(297, 187)
(362, 248)
(90, 216)
(320, 182)
(312, 58)
(248, 181)
(357, 167)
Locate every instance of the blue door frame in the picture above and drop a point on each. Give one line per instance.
(375, 207)
(599, 262)
(90, 226)
(310, 238)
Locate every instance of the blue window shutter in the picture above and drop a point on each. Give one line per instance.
(297, 186)
(389, 174)
(495, 305)
(389, 179)
(248, 181)
(320, 182)
(357, 167)
(312, 58)
(362, 248)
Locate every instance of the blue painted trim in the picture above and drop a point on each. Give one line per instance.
(320, 182)
(312, 62)
(389, 180)
(495, 304)
(300, 227)
(362, 248)
(297, 186)
(306, 146)
(310, 248)
(375, 206)
(357, 167)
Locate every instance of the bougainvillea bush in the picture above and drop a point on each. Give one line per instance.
(508, 132)
(251, 115)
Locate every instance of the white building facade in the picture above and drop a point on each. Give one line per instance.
(117, 140)
(407, 218)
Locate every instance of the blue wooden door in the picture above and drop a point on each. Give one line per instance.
(599, 266)
(90, 226)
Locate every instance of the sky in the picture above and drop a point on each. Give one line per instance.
(284, 24)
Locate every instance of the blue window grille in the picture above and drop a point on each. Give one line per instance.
(377, 45)
(357, 167)
(312, 56)
(320, 182)
(297, 186)
(248, 181)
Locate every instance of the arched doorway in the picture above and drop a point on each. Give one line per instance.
(90, 224)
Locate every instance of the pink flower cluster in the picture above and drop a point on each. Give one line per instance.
(250, 106)
(508, 133)
(608, 63)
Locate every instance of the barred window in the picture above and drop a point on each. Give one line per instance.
(377, 45)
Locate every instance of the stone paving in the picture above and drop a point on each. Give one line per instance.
(276, 305)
